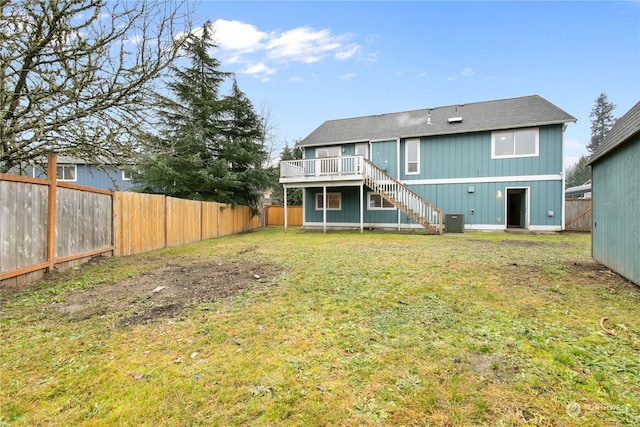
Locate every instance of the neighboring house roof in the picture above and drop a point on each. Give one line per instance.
(580, 189)
(527, 111)
(621, 132)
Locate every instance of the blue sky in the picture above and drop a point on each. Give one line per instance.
(307, 62)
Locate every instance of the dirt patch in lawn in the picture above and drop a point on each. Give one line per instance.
(165, 292)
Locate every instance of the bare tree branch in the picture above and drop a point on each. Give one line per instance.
(77, 76)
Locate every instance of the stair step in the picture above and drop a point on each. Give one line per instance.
(423, 221)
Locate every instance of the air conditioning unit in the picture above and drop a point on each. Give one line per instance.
(454, 223)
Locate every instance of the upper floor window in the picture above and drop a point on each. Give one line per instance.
(127, 175)
(519, 143)
(66, 172)
(412, 156)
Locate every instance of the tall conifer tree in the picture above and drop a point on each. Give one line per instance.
(209, 147)
(601, 121)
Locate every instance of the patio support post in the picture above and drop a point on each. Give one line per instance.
(324, 208)
(285, 208)
(361, 208)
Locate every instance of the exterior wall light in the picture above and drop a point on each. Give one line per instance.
(499, 195)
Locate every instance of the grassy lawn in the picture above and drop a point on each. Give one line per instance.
(337, 329)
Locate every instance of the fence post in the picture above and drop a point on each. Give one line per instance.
(51, 209)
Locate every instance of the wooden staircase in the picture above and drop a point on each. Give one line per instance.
(400, 196)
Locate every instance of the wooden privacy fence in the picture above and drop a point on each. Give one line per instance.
(46, 224)
(578, 214)
(145, 222)
(274, 215)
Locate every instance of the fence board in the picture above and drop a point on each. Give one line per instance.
(210, 214)
(139, 223)
(578, 214)
(23, 217)
(183, 221)
(226, 217)
(83, 222)
(275, 215)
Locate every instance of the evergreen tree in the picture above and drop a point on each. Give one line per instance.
(209, 148)
(578, 174)
(294, 195)
(242, 150)
(601, 121)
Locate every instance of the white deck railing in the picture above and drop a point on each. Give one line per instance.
(378, 180)
(326, 166)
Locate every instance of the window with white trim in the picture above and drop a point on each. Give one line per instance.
(519, 143)
(376, 202)
(66, 172)
(127, 175)
(334, 201)
(412, 156)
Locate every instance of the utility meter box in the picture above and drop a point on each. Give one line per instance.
(454, 223)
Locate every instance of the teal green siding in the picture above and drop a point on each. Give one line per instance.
(469, 155)
(384, 154)
(349, 212)
(543, 196)
(349, 150)
(465, 156)
(616, 210)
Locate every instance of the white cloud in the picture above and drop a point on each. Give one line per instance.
(260, 51)
(467, 72)
(236, 35)
(135, 39)
(348, 52)
(303, 44)
(295, 79)
(347, 76)
(259, 71)
(372, 57)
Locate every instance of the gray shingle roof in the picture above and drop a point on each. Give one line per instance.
(623, 129)
(476, 117)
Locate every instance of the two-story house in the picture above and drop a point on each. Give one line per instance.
(490, 165)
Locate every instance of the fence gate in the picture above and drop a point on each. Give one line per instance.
(578, 214)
